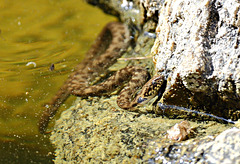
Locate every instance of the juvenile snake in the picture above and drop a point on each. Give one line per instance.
(111, 43)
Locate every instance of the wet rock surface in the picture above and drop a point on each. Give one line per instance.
(98, 131)
(197, 50)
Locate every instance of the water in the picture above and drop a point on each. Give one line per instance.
(33, 36)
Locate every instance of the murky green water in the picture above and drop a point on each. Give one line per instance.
(33, 35)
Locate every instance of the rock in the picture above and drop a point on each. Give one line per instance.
(197, 49)
(127, 11)
(224, 149)
(97, 131)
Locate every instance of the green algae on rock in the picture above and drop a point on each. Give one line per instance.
(97, 130)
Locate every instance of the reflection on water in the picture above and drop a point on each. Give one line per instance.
(33, 36)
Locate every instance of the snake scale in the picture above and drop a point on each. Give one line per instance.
(110, 44)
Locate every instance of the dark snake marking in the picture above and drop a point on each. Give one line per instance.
(136, 77)
(111, 43)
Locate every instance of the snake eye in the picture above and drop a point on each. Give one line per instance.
(140, 100)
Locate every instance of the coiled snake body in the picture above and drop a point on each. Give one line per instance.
(111, 43)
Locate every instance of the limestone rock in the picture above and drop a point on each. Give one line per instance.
(197, 49)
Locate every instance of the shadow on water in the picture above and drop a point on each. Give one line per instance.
(33, 36)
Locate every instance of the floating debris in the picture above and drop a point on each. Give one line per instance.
(33, 63)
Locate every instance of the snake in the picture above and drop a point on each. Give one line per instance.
(111, 44)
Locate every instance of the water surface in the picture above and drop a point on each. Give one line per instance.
(34, 35)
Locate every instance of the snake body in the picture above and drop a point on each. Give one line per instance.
(111, 43)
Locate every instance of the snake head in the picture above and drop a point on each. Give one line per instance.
(154, 87)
